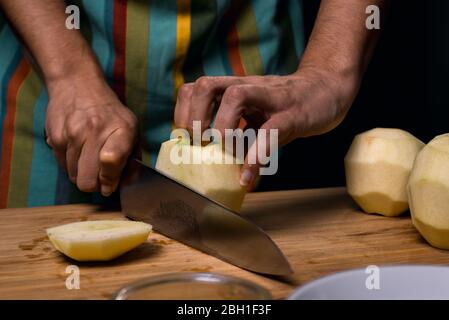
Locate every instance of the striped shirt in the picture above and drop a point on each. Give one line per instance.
(147, 50)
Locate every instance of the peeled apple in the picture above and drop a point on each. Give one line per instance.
(378, 165)
(429, 192)
(98, 240)
(217, 181)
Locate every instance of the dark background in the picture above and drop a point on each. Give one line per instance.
(406, 86)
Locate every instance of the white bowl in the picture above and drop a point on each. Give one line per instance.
(403, 282)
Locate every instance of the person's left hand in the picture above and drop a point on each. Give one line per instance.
(309, 102)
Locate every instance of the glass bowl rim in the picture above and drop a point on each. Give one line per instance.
(199, 277)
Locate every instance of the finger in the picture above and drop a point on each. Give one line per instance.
(57, 141)
(113, 157)
(55, 134)
(76, 134)
(72, 156)
(183, 104)
(56, 138)
(235, 103)
(58, 144)
(277, 131)
(205, 93)
(88, 165)
(61, 159)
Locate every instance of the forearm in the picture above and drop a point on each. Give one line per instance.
(340, 41)
(90, 131)
(59, 52)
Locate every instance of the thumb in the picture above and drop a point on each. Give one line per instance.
(113, 157)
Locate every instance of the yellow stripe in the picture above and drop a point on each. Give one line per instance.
(23, 140)
(137, 42)
(136, 57)
(248, 35)
(182, 40)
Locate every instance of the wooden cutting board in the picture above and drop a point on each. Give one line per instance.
(321, 231)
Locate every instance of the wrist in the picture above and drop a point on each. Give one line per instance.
(342, 72)
(85, 89)
(331, 95)
(343, 81)
(85, 81)
(77, 70)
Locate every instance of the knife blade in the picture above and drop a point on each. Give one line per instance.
(180, 213)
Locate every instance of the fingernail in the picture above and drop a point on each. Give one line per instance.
(106, 190)
(246, 177)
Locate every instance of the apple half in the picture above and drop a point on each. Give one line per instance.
(99, 240)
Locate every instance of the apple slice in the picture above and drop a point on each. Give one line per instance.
(98, 240)
(216, 175)
(429, 192)
(378, 166)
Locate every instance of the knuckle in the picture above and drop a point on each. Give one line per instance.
(132, 122)
(74, 131)
(57, 141)
(130, 128)
(125, 132)
(234, 94)
(78, 124)
(204, 83)
(185, 91)
(94, 124)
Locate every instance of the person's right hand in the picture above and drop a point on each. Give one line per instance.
(91, 133)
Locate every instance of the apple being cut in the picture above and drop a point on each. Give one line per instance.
(429, 192)
(215, 176)
(378, 165)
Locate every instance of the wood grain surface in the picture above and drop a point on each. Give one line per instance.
(321, 231)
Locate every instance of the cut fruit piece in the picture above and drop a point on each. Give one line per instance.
(429, 192)
(217, 180)
(98, 240)
(378, 166)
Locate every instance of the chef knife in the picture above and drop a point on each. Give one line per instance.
(180, 213)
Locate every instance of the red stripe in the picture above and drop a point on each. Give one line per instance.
(233, 51)
(233, 42)
(8, 129)
(232, 39)
(235, 60)
(119, 35)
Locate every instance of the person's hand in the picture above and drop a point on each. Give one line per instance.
(91, 133)
(306, 103)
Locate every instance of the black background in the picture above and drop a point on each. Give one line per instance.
(406, 86)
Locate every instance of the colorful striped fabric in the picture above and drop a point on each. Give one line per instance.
(147, 49)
